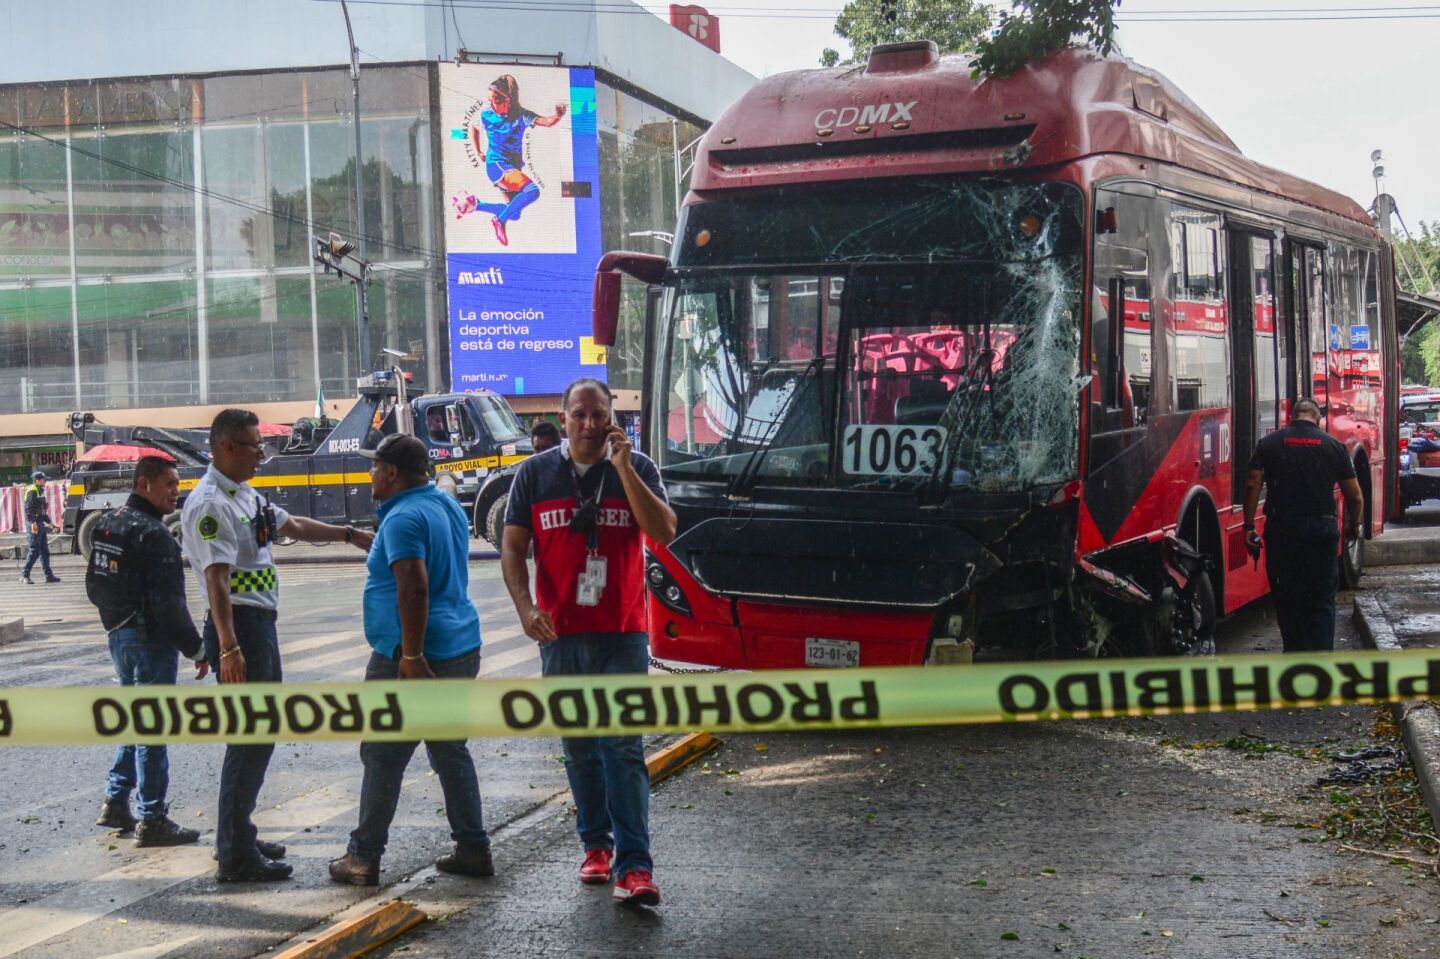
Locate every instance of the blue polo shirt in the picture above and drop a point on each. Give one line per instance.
(422, 523)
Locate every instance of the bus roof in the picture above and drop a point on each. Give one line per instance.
(909, 111)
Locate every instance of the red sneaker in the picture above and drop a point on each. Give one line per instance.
(596, 867)
(500, 233)
(636, 886)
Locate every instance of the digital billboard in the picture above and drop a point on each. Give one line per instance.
(522, 232)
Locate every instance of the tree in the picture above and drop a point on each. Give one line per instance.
(1417, 262)
(1037, 28)
(955, 25)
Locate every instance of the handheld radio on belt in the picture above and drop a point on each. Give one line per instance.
(264, 523)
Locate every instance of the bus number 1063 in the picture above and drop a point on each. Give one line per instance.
(891, 450)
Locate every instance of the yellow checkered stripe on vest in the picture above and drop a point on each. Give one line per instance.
(252, 580)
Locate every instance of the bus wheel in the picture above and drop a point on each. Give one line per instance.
(85, 537)
(1352, 556)
(1191, 627)
(495, 520)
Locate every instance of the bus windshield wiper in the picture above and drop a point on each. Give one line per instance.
(744, 481)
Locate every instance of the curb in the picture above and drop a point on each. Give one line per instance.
(11, 631)
(1403, 548)
(669, 760)
(1419, 721)
(371, 928)
(357, 936)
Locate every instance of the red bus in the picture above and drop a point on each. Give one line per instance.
(892, 404)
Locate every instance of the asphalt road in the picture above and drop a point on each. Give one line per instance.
(1079, 838)
(69, 887)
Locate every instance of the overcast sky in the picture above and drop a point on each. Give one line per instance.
(1311, 98)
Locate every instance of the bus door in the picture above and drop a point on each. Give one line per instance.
(1308, 320)
(1254, 347)
(1255, 400)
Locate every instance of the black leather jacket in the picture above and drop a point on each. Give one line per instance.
(137, 576)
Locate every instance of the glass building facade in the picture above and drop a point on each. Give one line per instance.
(155, 234)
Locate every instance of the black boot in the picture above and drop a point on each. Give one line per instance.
(163, 831)
(115, 814)
(469, 863)
(258, 869)
(270, 850)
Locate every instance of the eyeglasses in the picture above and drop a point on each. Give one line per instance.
(256, 447)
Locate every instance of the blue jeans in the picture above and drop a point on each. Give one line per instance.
(243, 771)
(141, 663)
(1302, 564)
(608, 778)
(39, 549)
(385, 768)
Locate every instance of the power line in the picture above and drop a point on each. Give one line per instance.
(458, 35)
(1179, 15)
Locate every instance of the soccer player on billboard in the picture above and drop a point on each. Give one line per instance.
(505, 123)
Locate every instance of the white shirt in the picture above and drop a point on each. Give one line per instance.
(218, 526)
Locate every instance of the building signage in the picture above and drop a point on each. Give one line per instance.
(521, 174)
(1359, 337)
(698, 22)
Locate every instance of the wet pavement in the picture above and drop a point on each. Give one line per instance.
(1175, 836)
(1409, 599)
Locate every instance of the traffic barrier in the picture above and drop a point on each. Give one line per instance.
(12, 506)
(12, 516)
(781, 700)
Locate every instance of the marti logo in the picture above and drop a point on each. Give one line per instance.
(869, 114)
(490, 277)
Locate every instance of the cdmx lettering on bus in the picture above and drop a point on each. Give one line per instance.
(866, 114)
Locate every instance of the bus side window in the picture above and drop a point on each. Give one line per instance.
(1317, 314)
(1199, 331)
(1121, 310)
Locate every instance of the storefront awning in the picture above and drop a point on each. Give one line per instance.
(9, 444)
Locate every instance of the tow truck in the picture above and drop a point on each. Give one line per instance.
(318, 470)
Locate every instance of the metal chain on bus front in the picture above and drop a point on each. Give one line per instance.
(1361, 766)
(685, 672)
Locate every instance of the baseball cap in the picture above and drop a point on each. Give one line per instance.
(402, 451)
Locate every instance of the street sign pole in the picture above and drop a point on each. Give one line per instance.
(334, 253)
(361, 306)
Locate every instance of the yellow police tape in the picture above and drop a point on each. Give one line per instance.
(779, 700)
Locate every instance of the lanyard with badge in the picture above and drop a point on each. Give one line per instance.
(587, 520)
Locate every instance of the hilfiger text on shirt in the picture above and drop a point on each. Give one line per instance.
(607, 516)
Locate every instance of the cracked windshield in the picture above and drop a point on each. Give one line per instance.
(920, 334)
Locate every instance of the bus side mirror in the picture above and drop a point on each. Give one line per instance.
(605, 301)
(606, 308)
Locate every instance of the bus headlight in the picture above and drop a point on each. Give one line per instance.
(659, 581)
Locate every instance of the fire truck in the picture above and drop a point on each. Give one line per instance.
(317, 470)
(940, 363)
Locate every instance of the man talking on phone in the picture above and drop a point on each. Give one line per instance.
(584, 507)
